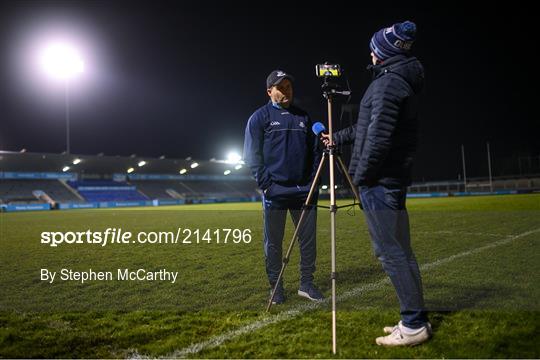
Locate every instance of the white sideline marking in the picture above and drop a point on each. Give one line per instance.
(457, 232)
(297, 310)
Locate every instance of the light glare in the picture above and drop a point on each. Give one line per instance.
(61, 61)
(233, 157)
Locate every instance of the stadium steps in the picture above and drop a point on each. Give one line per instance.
(174, 194)
(44, 197)
(70, 189)
(188, 188)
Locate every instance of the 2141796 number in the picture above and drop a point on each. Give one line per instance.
(217, 236)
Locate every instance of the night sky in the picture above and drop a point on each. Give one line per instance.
(168, 78)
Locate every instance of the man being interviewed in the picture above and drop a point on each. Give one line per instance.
(283, 155)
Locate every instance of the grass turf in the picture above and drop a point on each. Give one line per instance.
(484, 303)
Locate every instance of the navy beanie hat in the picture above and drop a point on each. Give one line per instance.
(394, 40)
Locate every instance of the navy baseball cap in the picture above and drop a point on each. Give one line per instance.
(276, 77)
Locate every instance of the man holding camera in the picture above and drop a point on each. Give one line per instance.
(283, 156)
(384, 140)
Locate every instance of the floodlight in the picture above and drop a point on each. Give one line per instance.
(233, 158)
(61, 61)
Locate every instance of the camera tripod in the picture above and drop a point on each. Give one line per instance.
(330, 154)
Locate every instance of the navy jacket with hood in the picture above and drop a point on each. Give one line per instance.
(280, 147)
(385, 135)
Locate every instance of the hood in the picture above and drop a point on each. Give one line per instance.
(408, 67)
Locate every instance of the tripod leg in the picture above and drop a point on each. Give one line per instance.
(333, 210)
(349, 180)
(295, 235)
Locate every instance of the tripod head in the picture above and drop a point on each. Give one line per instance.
(331, 88)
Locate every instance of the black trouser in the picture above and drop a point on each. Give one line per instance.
(276, 203)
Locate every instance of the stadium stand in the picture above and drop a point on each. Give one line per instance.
(22, 191)
(105, 181)
(157, 189)
(67, 181)
(105, 190)
(195, 189)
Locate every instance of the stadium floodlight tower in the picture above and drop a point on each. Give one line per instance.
(61, 61)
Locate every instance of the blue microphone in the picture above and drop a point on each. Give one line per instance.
(318, 128)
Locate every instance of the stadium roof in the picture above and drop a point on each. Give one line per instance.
(100, 164)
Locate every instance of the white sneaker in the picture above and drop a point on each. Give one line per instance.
(390, 329)
(399, 337)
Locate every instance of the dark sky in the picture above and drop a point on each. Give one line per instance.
(168, 78)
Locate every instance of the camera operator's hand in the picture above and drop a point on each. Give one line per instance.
(325, 138)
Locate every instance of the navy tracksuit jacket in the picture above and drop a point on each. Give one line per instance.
(283, 155)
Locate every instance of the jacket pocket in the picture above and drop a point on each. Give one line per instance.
(276, 190)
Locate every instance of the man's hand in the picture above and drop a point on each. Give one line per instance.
(325, 138)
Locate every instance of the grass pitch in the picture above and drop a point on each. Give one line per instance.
(480, 261)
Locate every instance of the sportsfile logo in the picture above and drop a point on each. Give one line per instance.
(120, 236)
